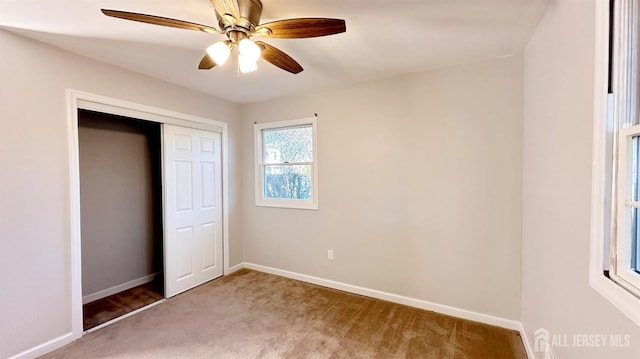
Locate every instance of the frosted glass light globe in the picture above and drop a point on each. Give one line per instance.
(219, 52)
(246, 64)
(249, 49)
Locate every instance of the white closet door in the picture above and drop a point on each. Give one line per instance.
(192, 208)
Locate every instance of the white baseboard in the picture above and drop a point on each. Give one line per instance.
(65, 339)
(531, 354)
(236, 267)
(526, 342)
(412, 302)
(394, 298)
(118, 288)
(45, 348)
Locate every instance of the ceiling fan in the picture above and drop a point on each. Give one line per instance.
(239, 20)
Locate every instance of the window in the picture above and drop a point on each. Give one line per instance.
(286, 164)
(615, 229)
(624, 124)
(625, 266)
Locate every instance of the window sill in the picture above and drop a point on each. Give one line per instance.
(288, 204)
(626, 302)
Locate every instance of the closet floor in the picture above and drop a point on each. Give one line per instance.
(109, 308)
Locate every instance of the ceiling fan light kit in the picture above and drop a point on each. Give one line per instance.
(219, 52)
(246, 64)
(239, 20)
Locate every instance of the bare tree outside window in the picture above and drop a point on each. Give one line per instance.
(288, 159)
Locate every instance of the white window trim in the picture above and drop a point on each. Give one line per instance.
(261, 201)
(620, 272)
(622, 299)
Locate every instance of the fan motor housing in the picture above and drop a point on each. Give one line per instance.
(249, 13)
(250, 10)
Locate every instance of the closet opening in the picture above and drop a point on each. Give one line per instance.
(121, 215)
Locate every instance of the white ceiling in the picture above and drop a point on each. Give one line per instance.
(384, 38)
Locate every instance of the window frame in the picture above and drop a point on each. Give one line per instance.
(260, 199)
(620, 269)
(609, 108)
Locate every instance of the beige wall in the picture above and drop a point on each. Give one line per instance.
(34, 184)
(120, 200)
(420, 184)
(431, 185)
(558, 116)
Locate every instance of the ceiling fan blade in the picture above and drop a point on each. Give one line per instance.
(301, 28)
(226, 8)
(206, 63)
(279, 58)
(158, 20)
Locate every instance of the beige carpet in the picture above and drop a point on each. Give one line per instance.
(256, 315)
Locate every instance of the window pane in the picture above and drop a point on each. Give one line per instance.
(634, 169)
(288, 145)
(287, 181)
(635, 248)
(635, 193)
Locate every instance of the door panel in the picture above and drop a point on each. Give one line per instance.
(193, 211)
(184, 184)
(208, 185)
(184, 245)
(209, 246)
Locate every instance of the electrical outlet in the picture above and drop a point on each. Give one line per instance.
(330, 254)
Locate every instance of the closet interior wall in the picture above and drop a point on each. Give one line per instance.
(121, 201)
